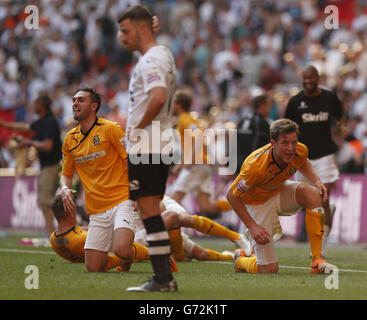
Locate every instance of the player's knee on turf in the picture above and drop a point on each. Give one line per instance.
(94, 267)
(94, 264)
(269, 268)
(123, 251)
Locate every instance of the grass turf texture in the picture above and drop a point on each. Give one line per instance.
(59, 279)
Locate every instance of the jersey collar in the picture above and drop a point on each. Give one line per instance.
(86, 133)
(64, 233)
(274, 161)
(90, 129)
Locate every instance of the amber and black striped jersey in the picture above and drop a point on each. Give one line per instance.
(101, 161)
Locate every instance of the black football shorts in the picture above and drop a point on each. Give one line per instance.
(147, 179)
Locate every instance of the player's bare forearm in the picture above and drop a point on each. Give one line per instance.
(240, 209)
(258, 233)
(17, 126)
(66, 193)
(156, 100)
(66, 181)
(309, 172)
(45, 146)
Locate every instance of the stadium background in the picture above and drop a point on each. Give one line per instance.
(226, 52)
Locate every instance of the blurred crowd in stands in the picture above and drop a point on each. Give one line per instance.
(226, 51)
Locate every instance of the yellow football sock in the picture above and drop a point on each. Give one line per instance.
(217, 256)
(113, 262)
(224, 205)
(248, 265)
(140, 252)
(315, 229)
(176, 243)
(207, 226)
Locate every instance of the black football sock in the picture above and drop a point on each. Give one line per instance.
(159, 248)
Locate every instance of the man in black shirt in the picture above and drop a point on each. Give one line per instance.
(46, 139)
(313, 110)
(253, 131)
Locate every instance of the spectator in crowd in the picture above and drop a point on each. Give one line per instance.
(46, 139)
(253, 131)
(197, 32)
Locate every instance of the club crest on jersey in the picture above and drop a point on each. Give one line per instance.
(242, 186)
(292, 171)
(134, 185)
(96, 140)
(303, 105)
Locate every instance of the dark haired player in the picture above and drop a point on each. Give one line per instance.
(95, 149)
(151, 88)
(253, 131)
(69, 239)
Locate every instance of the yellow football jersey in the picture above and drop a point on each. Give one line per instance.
(101, 161)
(70, 244)
(186, 121)
(261, 178)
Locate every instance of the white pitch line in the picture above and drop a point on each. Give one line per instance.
(305, 268)
(26, 251)
(221, 262)
(290, 267)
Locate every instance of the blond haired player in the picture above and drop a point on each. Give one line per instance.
(94, 148)
(261, 192)
(195, 175)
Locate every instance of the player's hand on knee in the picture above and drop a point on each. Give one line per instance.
(323, 190)
(259, 234)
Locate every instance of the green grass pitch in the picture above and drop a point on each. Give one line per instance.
(62, 280)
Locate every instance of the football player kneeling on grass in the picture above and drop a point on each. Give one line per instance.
(69, 239)
(261, 193)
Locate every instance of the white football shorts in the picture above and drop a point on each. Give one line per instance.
(102, 225)
(196, 178)
(266, 215)
(325, 167)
